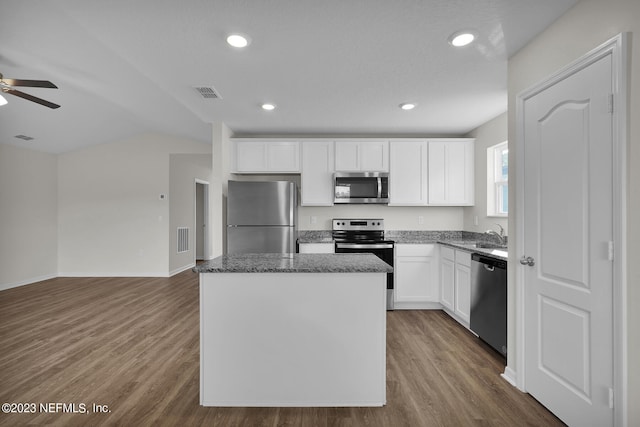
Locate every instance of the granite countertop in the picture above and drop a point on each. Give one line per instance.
(295, 263)
(470, 246)
(463, 240)
(315, 236)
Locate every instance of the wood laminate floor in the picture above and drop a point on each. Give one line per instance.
(132, 344)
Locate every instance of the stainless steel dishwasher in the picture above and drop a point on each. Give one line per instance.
(489, 301)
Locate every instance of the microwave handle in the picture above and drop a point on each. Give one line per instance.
(379, 187)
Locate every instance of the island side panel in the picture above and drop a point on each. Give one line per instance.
(293, 339)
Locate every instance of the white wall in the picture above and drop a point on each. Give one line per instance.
(491, 133)
(221, 155)
(28, 216)
(585, 26)
(184, 169)
(112, 221)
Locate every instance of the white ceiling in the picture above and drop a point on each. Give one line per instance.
(338, 67)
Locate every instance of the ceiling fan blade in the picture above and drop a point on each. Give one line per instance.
(30, 83)
(31, 98)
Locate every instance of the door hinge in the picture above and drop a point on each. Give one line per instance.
(610, 103)
(610, 398)
(610, 251)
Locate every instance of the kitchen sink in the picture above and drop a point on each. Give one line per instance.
(487, 245)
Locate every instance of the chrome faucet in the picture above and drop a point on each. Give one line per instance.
(500, 235)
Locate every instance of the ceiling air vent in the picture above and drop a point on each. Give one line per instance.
(207, 92)
(24, 137)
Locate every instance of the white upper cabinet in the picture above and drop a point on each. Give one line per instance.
(451, 169)
(431, 172)
(316, 182)
(266, 156)
(408, 178)
(362, 156)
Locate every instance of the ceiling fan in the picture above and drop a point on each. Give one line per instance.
(6, 86)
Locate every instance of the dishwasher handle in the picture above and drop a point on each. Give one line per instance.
(489, 263)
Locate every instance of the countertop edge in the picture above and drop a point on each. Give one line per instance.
(295, 263)
(466, 247)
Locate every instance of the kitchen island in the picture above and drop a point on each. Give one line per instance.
(293, 330)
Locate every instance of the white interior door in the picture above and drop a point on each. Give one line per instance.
(568, 233)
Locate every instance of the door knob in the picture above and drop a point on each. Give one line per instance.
(527, 261)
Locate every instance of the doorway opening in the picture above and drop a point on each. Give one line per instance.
(201, 234)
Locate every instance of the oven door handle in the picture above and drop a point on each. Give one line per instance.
(364, 245)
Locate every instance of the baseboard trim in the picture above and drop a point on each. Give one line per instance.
(5, 286)
(509, 376)
(111, 274)
(416, 305)
(181, 269)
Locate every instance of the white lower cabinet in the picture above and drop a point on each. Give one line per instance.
(416, 276)
(447, 279)
(316, 248)
(455, 283)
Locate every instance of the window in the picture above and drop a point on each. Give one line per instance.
(498, 180)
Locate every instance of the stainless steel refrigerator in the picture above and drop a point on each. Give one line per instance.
(261, 217)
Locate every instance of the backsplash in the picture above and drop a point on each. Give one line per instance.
(320, 236)
(422, 235)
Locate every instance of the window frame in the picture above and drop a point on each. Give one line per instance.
(495, 183)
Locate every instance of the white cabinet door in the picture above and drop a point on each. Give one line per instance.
(260, 156)
(251, 156)
(463, 292)
(415, 277)
(362, 156)
(317, 173)
(347, 156)
(283, 156)
(463, 286)
(317, 248)
(447, 277)
(408, 172)
(455, 283)
(451, 172)
(374, 156)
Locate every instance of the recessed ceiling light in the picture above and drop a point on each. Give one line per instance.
(407, 106)
(462, 38)
(238, 40)
(268, 107)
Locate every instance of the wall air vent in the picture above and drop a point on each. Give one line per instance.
(24, 137)
(207, 92)
(183, 239)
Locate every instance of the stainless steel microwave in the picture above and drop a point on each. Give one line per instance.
(361, 187)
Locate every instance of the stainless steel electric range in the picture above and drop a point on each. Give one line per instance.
(365, 236)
